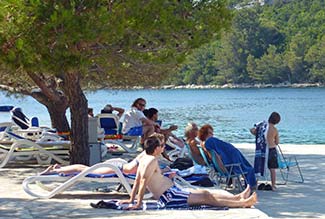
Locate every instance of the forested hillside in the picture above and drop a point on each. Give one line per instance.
(279, 43)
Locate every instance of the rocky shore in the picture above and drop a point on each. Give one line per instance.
(226, 86)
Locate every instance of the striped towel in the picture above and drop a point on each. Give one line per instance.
(151, 205)
(260, 150)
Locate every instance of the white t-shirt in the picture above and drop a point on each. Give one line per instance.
(132, 118)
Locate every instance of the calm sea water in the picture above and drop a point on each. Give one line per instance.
(230, 111)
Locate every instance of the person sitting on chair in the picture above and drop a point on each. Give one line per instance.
(149, 176)
(135, 123)
(110, 109)
(191, 133)
(152, 114)
(227, 153)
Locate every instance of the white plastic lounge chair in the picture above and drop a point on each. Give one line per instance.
(40, 190)
(175, 151)
(23, 149)
(286, 163)
(4, 128)
(69, 180)
(39, 187)
(110, 125)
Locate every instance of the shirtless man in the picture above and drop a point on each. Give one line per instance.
(163, 189)
(272, 140)
(191, 133)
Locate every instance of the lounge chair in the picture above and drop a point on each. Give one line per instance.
(4, 128)
(233, 171)
(69, 180)
(174, 151)
(286, 163)
(23, 149)
(37, 186)
(111, 136)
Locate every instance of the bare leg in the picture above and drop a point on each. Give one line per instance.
(48, 170)
(273, 178)
(227, 195)
(205, 197)
(245, 194)
(66, 169)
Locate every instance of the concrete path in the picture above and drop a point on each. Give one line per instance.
(290, 201)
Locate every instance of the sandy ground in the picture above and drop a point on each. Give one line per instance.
(296, 200)
(293, 200)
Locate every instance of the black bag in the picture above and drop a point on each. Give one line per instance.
(182, 163)
(204, 182)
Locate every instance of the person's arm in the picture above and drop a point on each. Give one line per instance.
(146, 121)
(253, 131)
(276, 137)
(119, 110)
(143, 181)
(133, 191)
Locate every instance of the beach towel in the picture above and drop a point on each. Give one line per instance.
(151, 205)
(230, 155)
(261, 151)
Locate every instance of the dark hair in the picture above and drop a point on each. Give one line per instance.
(90, 110)
(151, 144)
(146, 112)
(204, 132)
(274, 118)
(134, 104)
(150, 112)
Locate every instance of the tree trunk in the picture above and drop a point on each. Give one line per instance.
(56, 105)
(79, 152)
(58, 118)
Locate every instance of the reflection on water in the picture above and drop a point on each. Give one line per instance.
(230, 111)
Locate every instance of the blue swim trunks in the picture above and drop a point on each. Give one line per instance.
(174, 197)
(135, 131)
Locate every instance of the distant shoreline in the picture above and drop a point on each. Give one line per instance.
(225, 86)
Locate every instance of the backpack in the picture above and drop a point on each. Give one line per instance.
(182, 163)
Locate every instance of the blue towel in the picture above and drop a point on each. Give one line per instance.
(260, 150)
(152, 205)
(229, 155)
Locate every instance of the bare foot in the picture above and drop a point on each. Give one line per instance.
(274, 188)
(47, 170)
(249, 202)
(246, 193)
(56, 166)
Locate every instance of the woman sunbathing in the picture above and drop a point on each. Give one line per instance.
(128, 168)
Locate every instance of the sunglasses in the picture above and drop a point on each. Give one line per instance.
(142, 104)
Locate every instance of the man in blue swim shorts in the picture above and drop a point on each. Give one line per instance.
(168, 195)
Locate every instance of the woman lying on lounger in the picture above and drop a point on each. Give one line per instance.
(128, 168)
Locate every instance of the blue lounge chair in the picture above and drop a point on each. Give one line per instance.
(232, 171)
(111, 135)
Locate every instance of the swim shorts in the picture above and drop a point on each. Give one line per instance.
(174, 197)
(272, 162)
(135, 131)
